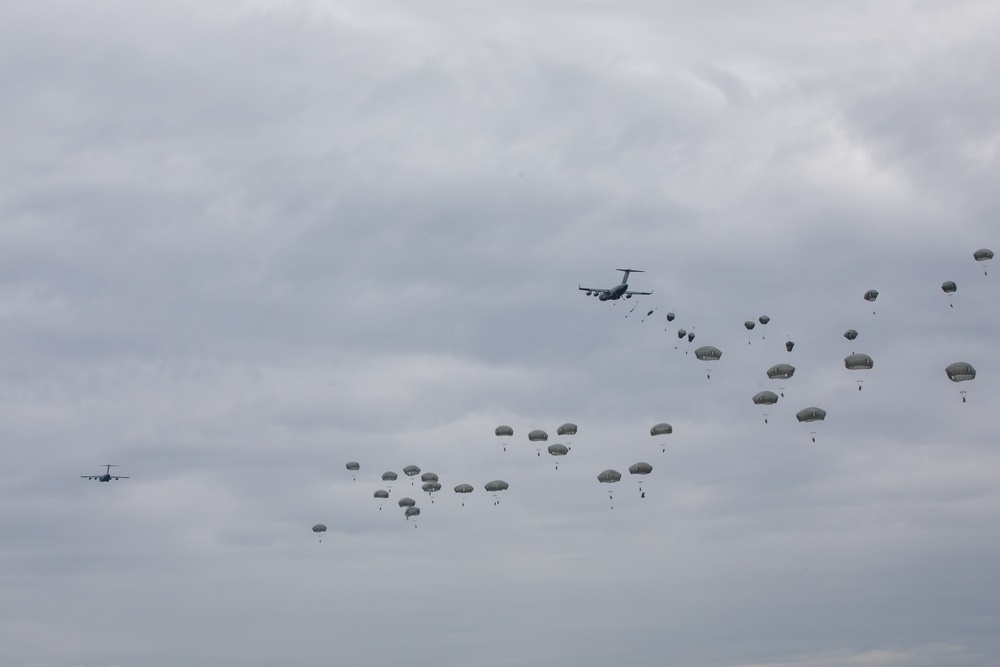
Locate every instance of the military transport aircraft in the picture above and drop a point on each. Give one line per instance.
(616, 292)
(107, 476)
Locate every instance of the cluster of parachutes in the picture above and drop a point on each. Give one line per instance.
(960, 371)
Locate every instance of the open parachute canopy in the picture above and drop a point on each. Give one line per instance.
(609, 476)
(708, 353)
(566, 429)
(960, 371)
(765, 398)
(857, 362)
(780, 371)
(812, 414)
(661, 429)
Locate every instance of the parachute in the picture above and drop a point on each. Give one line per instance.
(538, 435)
(431, 487)
(610, 477)
(960, 371)
(464, 489)
(495, 487)
(503, 429)
(406, 502)
(319, 529)
(765, 398)
(708, 353)
(428, 477)
(983, 255)
(870, 296)
(410, 471)
(780, 371)
(850, 334)
(389, 476)
(789, 345)
(566, 429)
(949, 287)
(670, 316)
(640, 468)
(558, 450)
(381, 494)
(661, 429)
(749, 324)
(353, 466)
(763, 319)
(858, 362)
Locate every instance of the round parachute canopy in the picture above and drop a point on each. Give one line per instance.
(811, 415)
(960, 371)
(858, 362)
(609, 476)
(670, 316)
(681, 333)
(319, 528)
(497, 485)
(708, 353)
(765, 398)
(558, 450)
(428, 477)
(780, 371)
(503, 429)
(982, 255)
(464, 488)
(566, 429)
(381, 493)
(353, 465)
(410, 471)
(789, 344)
(763, 319)
(871, 295)
(389, 476)
(949, 287)
(431, 487)
(640, 468)
(661, 429)
(538, 435)
(850, 334)
(412, 510)
(407, 502)
(690, 336)
(749, 324)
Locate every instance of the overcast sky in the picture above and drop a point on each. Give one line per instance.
(245, 242)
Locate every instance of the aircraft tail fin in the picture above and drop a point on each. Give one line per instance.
(628, 271)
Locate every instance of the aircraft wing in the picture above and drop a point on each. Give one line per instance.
(638, 293)
(90, 476)
(120, 477)
(593, 289)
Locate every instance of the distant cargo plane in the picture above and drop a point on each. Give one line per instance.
(616, 292)
(107, 476)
